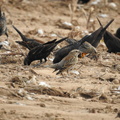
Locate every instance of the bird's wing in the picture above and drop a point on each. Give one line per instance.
(68, 61)
(49, 42)
(70, 41)
(111, 41)
(36, 50)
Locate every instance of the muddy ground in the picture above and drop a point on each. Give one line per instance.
(90, 92)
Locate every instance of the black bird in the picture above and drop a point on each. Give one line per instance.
(3, 27)
(117, 34)
(41, 52)
(70, 40)
(112, 42)
(27, 42)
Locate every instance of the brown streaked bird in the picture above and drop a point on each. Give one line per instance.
(3, 26)
(27, 42)
(41, 52)
(67, 62)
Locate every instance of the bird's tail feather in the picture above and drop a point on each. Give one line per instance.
(51, 66)
(99, 22)
(61, 40)
(54, 66)
(106, 26)
(21, 43)
(21, 35)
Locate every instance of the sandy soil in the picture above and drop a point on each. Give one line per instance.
(92, 94)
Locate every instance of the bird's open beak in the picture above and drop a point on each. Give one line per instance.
(81, 55)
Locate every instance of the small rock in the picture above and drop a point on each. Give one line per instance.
(40, 31)
(75, 72)
(103, 15)
(95, 2)
(42, 105)
(44, 84)
(53, 35)
(112, 5)
(116, 81)
(29, 98)
(67, 25)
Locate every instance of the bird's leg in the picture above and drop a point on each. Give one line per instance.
(62, 75)
(6, 36)
(45, 59)
(40, 60)
(68, 73)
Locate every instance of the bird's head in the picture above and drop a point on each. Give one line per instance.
(75, 52)
(27, 61)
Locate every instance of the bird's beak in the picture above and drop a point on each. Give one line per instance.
(81, 55)
(84, 54)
